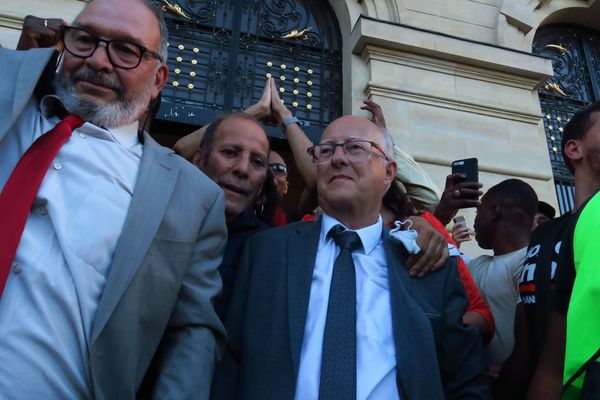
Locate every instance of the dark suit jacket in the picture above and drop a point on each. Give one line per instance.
(437, 356)
(155, 330)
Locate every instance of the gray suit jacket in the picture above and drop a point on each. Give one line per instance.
(437, 356)
(155, 333)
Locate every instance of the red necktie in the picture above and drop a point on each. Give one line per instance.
(19, 191)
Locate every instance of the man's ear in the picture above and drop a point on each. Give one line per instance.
(198, 159)
(495, 211)
(391, 169)
(160, 79)
(573, 150)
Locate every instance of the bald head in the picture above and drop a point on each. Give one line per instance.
(354, 170)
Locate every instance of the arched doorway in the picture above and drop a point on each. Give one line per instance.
(575, 54)
(221, 51)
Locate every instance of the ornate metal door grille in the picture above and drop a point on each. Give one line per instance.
(575, 54)
(221, 52)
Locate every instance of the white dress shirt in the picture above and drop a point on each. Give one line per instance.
(375, 350)
(62, 262)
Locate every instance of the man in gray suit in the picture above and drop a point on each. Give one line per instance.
(109, 295)
(398, 337)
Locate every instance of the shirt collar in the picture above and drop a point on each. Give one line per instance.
(370, 236)
(126, 135)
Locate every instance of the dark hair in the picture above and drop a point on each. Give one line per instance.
(270, 200)
(208, 138)
(398, 202)
(518, 196)
(576, 129)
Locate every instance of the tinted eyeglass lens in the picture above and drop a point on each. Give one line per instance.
(124, 53)
(80, 42)
(354, 150)
(357, 149)
(279, 169)
(323, 152)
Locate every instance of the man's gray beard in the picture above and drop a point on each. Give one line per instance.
(114, 114)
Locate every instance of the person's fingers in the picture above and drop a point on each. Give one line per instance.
(370, 103)
(464, 237)
(275, 101)
(452, 179)
(468, 185)
(439, 254)
(444, 255)
(420, 261)
(462, 230)
(367, 106)
(414, 265)
(267, 87)
(265, 98)
(45, 32)
(54, 24)
(462, 234)
(459, 229)
(274, 92)
(464, 203)
(459, 192)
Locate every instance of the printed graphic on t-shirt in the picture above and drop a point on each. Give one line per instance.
(527, 287)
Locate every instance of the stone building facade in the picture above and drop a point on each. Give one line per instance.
(455, 78)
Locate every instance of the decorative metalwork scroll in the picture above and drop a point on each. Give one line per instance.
(221, 52)
(575, 54)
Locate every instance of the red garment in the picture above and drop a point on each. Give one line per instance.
(279, 219)
(308, 218)
(476, 302)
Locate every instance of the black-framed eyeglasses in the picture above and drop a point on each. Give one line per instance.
(121, 53)
(279, 168)
(355, 150)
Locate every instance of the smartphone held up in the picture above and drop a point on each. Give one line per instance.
(460, 230)
(468, 167)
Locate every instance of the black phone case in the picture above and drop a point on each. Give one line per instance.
(468, 167)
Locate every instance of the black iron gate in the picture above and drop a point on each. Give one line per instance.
(575, 54)
(221, 51)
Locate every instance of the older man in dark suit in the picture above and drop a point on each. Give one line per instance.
(326, 310)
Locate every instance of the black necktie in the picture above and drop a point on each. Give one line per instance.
(338, 363)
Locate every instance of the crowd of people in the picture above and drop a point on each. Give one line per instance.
(130, 270)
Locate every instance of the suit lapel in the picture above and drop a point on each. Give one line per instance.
(302, 251)
(403, 314)
(155, 184)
